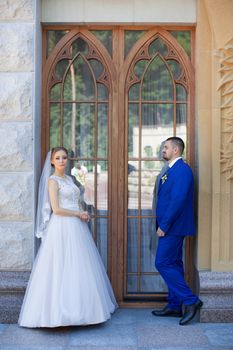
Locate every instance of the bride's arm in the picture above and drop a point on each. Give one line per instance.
(53, 196)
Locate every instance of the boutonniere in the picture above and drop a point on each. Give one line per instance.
(164, 178)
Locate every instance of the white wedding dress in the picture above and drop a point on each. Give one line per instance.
(68, 284)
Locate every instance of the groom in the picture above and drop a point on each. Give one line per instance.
(174, 221)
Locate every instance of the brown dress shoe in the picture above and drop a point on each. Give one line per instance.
(167, 312)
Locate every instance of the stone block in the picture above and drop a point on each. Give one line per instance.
(16, 96)
(16, 193)
(16, 47)
(16, 245)
(216, 292)
(15, 146)
(16, 9)
(12, 288)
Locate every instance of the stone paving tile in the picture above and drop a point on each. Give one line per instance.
(101, 348)
(105, 335)
(172, 336)
(15, 335)
(185, 348)
(17, 347)
(3, 327)
(125, 316)
(145, 316)
(219, 334)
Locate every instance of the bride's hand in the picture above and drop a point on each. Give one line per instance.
(84, 216)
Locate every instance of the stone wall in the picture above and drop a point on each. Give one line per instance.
(17, 32)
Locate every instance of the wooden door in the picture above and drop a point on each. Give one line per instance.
(111, 95)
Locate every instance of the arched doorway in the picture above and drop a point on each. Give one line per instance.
(111, 95)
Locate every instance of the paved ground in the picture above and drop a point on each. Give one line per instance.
(129, 329)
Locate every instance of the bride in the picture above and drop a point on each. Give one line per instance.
(68, 284)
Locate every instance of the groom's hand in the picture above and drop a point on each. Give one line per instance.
(160, 232)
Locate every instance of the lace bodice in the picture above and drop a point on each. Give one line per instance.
(68, 192)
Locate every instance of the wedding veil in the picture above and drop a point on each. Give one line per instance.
(43, 206)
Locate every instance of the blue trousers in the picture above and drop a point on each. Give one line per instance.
(169, 263)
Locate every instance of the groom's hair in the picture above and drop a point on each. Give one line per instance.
(177, 141)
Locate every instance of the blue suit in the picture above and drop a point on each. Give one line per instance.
(175, 216)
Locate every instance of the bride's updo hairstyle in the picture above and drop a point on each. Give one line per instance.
(56, 149)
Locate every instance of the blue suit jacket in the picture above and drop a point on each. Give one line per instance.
(174, 209)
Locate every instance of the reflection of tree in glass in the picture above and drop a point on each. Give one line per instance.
(54, 125)
(53, 37)
(132, 122)
(158, 46)
(61, 68)
(83, 80)
(155, 115)
(79, 45)
(102, 130)
(157, 83)
(105, 36)
(83, 132)
(131, 37)
(183, 38)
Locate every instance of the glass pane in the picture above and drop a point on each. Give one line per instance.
(102, 187)
(105, 36)
(175, 68)
(102, 239)
(148, 177)
(181, 114)
(55, 92)
(53, 37)
(181, 122)
(152, 283)
(79, 46)
(181, 93)
(184, 39)
(156, 115)
(134, 92)
(102, 149)
(79, 171)
(158, 46)
(79, 83)
(132, 284)
(133, 188)
(78, 128)
(97, 68)
(131, 37)
(102, 92)
(89, 186)
(132, 245)
(91, 225)
(157, 84)
(157, 125)
(54, 131)
(147, 258)
(133, 130)
(139, 68)
(60, 68)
